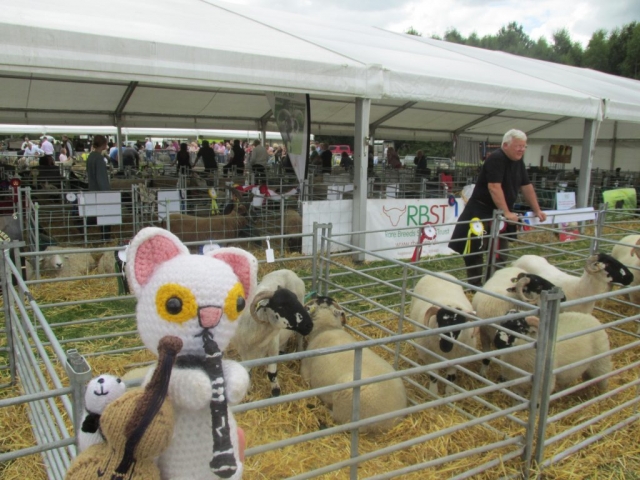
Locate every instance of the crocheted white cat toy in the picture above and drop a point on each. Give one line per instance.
(101, 391)
(199, 299)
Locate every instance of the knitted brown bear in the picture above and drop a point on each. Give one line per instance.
(137, 428)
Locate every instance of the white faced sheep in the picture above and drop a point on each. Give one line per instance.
(431, 317)
(276, 307)
(63, 263)
(629, 255)
(510, 282)
(567, 352)
(74, 264)
(336, 368)
(49, 264)
(600, 272)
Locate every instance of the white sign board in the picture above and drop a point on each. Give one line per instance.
(390, 216)
(393, 216)
(561, 216)
(105, 206)
(565, 200)
(336, 192)
(338, 213)
(168, 199)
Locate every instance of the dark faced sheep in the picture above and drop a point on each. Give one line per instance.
(600, 272)
(277, 307)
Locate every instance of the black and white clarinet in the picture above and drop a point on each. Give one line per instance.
(223, 463)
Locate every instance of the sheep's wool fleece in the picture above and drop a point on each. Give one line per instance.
(196, 298)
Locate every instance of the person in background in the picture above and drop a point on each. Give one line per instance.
(25, 144)
(346, 161)
(421, 165)
(32, 150)
(171, 151)
(48, 157)
(130, 157)
(258, 162)
(113, 156)
(97, 175)
(65, 162)
(393, 160)
(327, 158)
(236, 158)
(218, 149)
(66, 143)
(208, 158)
(148, 150)
(370, 163)
(502, 175)
(183, 159)
(314, 157)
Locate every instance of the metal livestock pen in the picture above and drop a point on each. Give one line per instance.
(55, 339)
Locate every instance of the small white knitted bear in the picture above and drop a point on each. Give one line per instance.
(197, 298)
(101, 391)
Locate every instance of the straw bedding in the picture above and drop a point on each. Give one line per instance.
(615, 457)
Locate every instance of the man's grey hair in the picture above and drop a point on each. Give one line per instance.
(513, 133)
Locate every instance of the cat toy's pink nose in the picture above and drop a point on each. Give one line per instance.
(209, 316)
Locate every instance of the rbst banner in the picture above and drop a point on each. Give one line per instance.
(433, 220)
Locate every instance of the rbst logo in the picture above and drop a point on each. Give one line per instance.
(421, 214)
(394, 214)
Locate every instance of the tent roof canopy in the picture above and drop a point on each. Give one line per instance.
(207, 64)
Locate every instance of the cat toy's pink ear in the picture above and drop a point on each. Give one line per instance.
(150, 248)
(244, 265)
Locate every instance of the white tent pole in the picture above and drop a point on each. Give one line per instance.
(614, 144)
(591, 128)
(360, 141)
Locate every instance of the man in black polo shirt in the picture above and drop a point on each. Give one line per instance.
(502, 175)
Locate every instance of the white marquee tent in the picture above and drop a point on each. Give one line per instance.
(207, 64)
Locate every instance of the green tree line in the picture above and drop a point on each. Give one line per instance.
(616, 52)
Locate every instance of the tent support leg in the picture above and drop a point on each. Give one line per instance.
(591, 128)
(360, 141)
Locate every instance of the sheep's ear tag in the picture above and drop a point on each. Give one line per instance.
(269, 252)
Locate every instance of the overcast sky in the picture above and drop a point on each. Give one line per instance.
(538, 17)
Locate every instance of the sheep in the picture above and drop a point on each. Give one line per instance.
(430, 316)
(527, 288)
(567, 351)
(276, 307)
(49, 264)
(629, 255)
(73, 264)
(293, 225)
(107, 263)
(189, 228)
(336, 368)
(600, 272)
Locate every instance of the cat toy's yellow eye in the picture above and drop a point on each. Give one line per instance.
(176, 303)
(235, 303)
